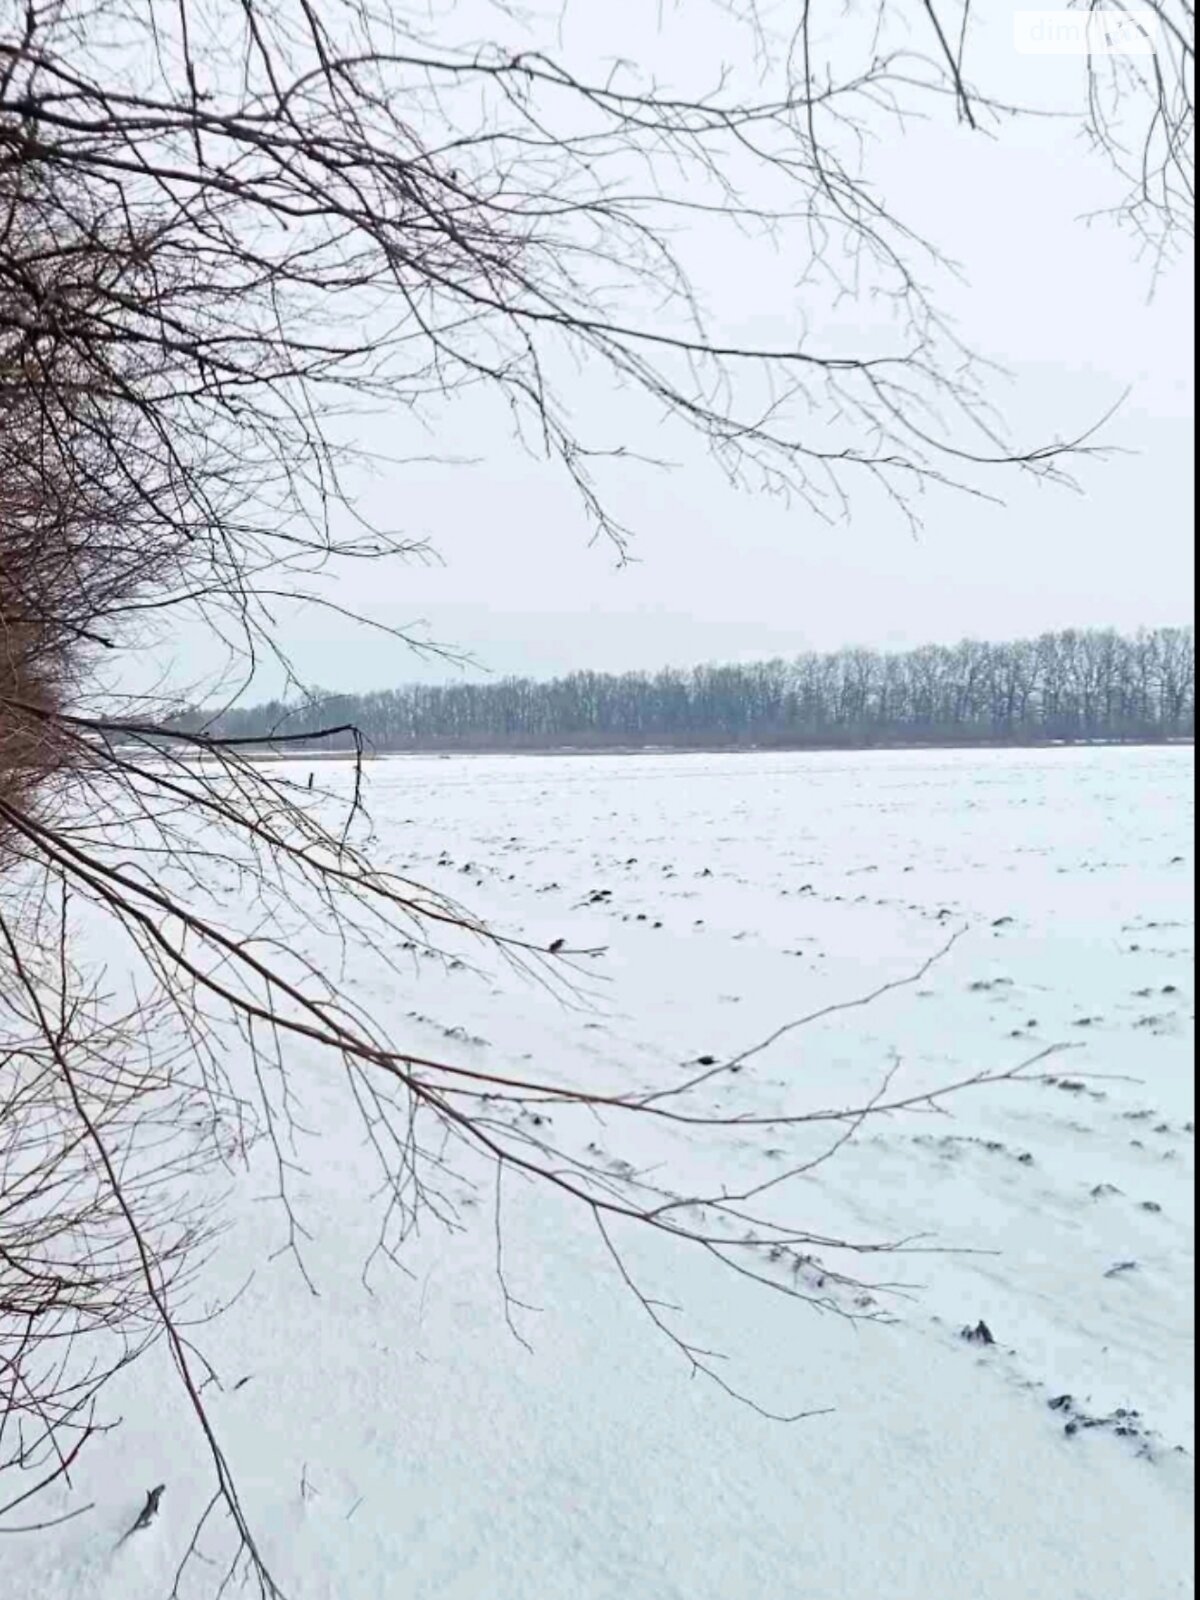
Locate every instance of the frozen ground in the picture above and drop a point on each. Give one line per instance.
(404, 1443)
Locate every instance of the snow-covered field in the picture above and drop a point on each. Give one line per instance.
(401, 1441)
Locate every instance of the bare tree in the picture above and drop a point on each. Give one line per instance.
(1124, 689)
(226, 228)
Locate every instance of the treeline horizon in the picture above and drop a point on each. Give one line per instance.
(1076, 684)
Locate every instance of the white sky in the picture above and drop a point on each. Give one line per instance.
(721, 574)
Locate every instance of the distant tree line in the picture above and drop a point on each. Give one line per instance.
(1069, 685)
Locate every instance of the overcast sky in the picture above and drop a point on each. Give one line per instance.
(722, 574)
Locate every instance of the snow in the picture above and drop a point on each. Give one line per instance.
(398, 1440)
